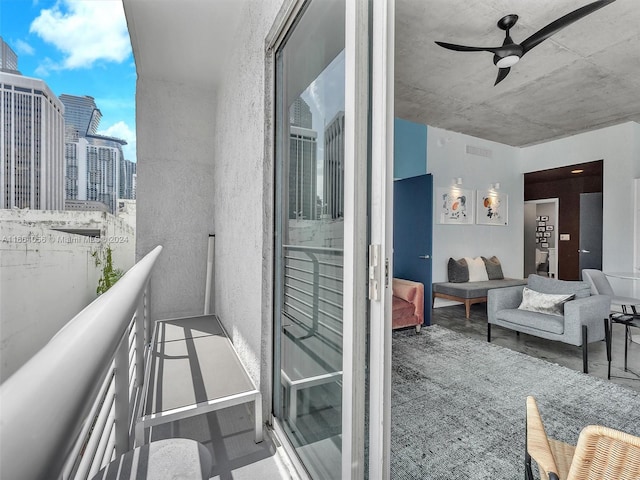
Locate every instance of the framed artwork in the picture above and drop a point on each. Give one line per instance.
(538, 218)
(547, 234)
(541, 229)
(537, 240)
(549, 227)
(544, 218)
(493, 208)
(454, 206)
(542, 224)
(538, 234)
(544, 245)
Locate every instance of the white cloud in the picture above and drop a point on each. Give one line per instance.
(85, 31)
(123, 131)
(23, 48)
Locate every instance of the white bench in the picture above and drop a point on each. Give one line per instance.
(193, 368)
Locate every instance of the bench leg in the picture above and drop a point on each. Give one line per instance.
(467, 308)
(488, 332)
(139, 434)
(257, 413)
(293, 404)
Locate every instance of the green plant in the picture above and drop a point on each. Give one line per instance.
(110, 275)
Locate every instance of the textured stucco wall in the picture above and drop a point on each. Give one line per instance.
(175, 131)
(243, 196)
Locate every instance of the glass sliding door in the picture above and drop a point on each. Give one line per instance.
(331, 308)
(310, 116)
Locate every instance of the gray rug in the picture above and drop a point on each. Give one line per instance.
(458, 406)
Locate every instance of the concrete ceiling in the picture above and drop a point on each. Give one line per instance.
(186, 42)
(587, 76)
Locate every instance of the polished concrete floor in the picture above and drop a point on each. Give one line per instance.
(453, 317)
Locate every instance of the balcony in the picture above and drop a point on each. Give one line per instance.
(71, 409)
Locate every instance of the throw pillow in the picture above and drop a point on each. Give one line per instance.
(477, 270)
(544, 302)
(494, 268)
(458, 271)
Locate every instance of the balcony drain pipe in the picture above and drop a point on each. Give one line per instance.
(210, 275)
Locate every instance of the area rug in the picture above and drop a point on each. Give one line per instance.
(458, 406)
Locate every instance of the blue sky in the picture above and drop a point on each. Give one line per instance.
(78, 47)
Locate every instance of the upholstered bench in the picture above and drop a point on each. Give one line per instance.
(470, 279)
(471, 292)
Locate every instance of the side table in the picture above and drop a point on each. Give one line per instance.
(628, 320)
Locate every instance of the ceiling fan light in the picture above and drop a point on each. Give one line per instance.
(508, 61)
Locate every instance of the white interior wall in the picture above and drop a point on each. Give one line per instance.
(618, 147)
(447, 159)
(175, 132)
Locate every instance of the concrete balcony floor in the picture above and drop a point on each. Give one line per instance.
(229, 436)
(228, 433)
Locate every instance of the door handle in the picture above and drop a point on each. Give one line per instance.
(425, 257)
(584, 251)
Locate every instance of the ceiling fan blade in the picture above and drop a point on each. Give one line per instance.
(557, 25)
(463, 48)
(502, 74)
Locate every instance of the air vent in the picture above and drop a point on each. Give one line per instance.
(481, 152)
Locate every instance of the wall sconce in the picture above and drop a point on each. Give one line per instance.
(495, 186)
(457, 181)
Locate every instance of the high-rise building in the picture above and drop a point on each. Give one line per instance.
(333, 195)
(93, 161)
(31, 140)
(127, 175)
(300, 114)
(8, 58)
(303, 164)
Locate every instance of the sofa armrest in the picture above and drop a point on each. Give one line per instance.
(590, 311)
(503, 298)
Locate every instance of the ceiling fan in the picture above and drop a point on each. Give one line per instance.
(510, 53)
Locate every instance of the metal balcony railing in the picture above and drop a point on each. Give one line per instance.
(70, 409)
(313, 278)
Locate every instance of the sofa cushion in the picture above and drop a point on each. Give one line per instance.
(532, 320)
(477, 270)
(550, 304)
(493, 267)
(458, 271)
(559, 287)
(474, 289)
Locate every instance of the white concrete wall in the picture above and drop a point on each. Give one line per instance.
(45, 280)
(48, 276)
(175, 192)
(447, 159)
(618, 146)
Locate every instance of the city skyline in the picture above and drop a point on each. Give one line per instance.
(78, 48)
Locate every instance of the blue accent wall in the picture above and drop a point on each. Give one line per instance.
(409, 149)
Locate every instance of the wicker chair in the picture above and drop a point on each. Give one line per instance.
(601, 453)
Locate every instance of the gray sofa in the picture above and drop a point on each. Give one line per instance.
(581, 321)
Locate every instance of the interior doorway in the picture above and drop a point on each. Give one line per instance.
(541, 237)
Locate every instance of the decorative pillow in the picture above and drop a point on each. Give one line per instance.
(477, 270)
(544, 302)
(494, 268)
(458, 271)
